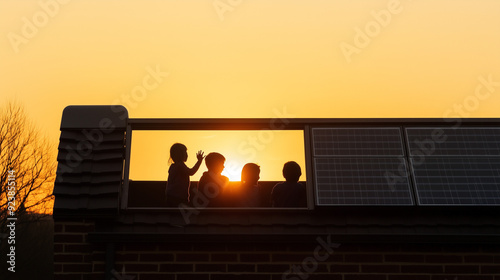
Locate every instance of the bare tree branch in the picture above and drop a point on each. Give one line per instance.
(30, 155)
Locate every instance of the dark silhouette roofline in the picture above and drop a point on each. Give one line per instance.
(291, 123)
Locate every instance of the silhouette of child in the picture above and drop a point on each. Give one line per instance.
(250, 190)
(212, 183)
(177, 191)
(289, 193)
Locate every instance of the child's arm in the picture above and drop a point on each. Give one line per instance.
(194, 169)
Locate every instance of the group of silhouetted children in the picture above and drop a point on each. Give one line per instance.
(212, 186)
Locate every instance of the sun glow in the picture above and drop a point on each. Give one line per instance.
(232, 170)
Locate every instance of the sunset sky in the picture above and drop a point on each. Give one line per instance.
(250, 58)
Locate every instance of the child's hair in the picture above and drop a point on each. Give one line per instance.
(178, 152)
(212, 159)
(249, 170)
(291, 171)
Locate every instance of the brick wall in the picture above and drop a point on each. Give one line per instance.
(74, 258)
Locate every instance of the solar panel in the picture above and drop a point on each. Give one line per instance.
(357, 142)
(460, 167)
(465, 141)
(360, 166)
(458, 181)
(362, 181)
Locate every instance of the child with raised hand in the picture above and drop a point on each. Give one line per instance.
(178, 175)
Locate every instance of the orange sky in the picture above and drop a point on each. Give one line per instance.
(320, 58)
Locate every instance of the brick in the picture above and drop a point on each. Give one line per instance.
(68, 238)
(156, 276)
(270, 247)
(209, 247)
(95, 257)
(479, 259)
(141, 247)
(241, 268)
(58, 228)
(366, 258)
(347, 248)
(380, 268)
(156, 257)
(324, 277)
(193, 277)
(141, 267)
(224, 257)
(461, 277)
(386, 248)
(408, 248)
(461, 269)
(58, 268)
(82, 267)
(79, 228)
(175, 247)
(490, 269)
(68, 258)
(335, 258)
(408, 277)
(98, 267)
(210, 267)
(96, 276)
(290, 257)
(176, 268)
(421, 269)
(254, 257)
(240, 247)
(240, 277)
(403, 258)
(182, 257)
(76, 248)
(443, 259)
(280, 268)
(124, 257)
(342, 268)
(364, 277)
(58, 248)
(67, 277)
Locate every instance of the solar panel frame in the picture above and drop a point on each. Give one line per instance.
(449, 147)
(395, 130)
(447, 167)
(400, 194)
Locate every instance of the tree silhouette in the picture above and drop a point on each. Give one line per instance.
(29, 155)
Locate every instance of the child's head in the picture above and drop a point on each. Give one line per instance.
(291, 171)
(178, 153)
(215, 162)
(250, 173)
